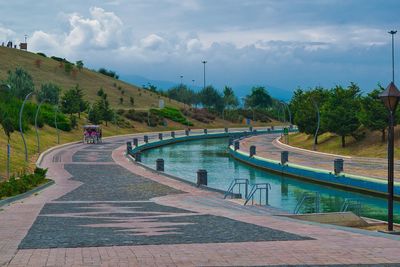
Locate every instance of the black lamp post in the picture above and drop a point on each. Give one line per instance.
(390, 97)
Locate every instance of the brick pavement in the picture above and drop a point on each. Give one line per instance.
(192, 227)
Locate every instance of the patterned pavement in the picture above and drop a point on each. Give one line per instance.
(107, 211)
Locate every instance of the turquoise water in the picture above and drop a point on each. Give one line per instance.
(184, 159)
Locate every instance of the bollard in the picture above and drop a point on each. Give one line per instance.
(268, 130)
(128, 146)
(272, 127)
(230, 141)
(160, 165)
(250, 128)
(201, 177)
(284, 157)
(226, 130)
(187, 132)
(135, 142)
(173, 134)
(252, 150)
(338, 166)
(138, 157)
(290, 126)
(146, 139)
(205, 131)
(160, 136)
(237, 145)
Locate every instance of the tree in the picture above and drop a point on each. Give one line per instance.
(95, 115)
(211, 98)
(230, 99)
(182, 94)
(339, 112)
(69, 102)
(79, 65)
(373, 114)
(100, 92)
(21, 83)
(6, 124)
(103, 109)
(121, 100)
(68, 67)
(49, 92)
(302, 106)
(259, 98)
(132, 101)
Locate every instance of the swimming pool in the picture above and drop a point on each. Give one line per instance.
(184, 159)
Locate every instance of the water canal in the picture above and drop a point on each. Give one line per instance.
(184, 159)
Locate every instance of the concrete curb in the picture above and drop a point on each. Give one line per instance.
(29, 193)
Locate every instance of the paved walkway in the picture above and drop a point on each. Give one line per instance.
(107, 211)
(269, 147)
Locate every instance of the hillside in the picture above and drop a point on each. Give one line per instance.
(44, 70)
(369, 146)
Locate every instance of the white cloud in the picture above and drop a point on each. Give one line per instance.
(152, 42)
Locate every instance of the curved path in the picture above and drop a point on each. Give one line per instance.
(107, 211)
(269, 147)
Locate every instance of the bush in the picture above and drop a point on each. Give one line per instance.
(199, 114)
(15, 186)
(41, 54)
(172, 114)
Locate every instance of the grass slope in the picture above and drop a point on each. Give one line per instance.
(89, 81)
(369, 146)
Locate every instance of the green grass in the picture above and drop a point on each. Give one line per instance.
(89, 81)
(370, 146)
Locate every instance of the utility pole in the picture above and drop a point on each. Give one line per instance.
(204, 78)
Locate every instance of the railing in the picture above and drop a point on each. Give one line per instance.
(237, 182)
(353, 205)
(258, 187)
(313, 196)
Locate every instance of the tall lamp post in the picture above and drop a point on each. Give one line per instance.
(20, 124)
(36, 127)
(390, 98)
(7, 87)
(204, 73)
(318, 122)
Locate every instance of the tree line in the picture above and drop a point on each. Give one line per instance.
(343, 111)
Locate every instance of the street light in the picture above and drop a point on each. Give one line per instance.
(390, 98)
(204, 73)
(20, 124)
(36, 128)
(318, 122)
(7, 87)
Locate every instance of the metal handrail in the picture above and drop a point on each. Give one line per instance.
(237, 182)
(306, 196)
(355, 204)
(258, 187)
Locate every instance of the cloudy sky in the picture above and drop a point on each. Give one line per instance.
(281, 43)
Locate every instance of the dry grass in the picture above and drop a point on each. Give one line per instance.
(369, 146)
(89, 81)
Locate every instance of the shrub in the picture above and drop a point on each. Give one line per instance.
(15, 186)
(172, 114)
(41, 54)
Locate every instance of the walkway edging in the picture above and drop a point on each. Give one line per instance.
(346, 181)
(26, 194)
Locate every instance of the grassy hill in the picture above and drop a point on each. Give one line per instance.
(90, 81)
(45, 69)
(369, 146)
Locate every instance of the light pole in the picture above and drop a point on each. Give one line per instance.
(290, 113)
(36, 128)
(318, 122)
(204, 73)
(55, 123)
(20, 124)
(390, 97)
(7, 87)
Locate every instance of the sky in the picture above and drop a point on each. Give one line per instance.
(285, 43)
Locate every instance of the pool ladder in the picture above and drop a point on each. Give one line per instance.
(258, 187)
(314, 196)
(237, 182)
(351, 204)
